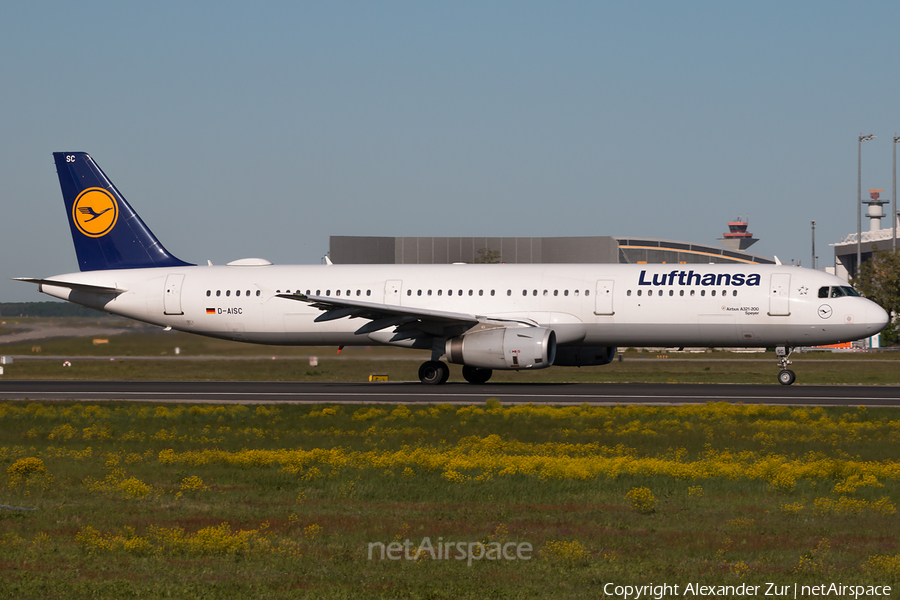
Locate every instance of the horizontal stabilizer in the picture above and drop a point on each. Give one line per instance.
(81, 287)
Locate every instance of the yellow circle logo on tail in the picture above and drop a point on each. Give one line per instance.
(95, 212)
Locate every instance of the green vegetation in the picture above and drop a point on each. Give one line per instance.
(879, 280)
(150, 500)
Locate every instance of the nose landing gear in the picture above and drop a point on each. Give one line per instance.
(786, 376)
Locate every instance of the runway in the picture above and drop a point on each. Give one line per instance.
(453, 393)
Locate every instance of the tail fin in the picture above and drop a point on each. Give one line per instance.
(108, 234)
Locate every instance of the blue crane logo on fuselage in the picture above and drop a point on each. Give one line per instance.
(95, 212)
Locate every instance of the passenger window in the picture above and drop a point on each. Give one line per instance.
(693, 292)
(337, 292)
(509, 292)
(492, 292)
(318, 292)
(534, 293)
(208, 293)
(639, 292)
(628, 293)
(671, 292)
(429, 292)
(449, 292)
(576, 292)
(327, 292)
(566, 293)
(481, 292)
(556, 292)
(248, 293)
(649, 292)
(524, 292)
(460, 293)
(237, 293)
(713, 292)
(734, 293)
(307, 293)
(257, 292)
(358, 292)
(702, 292)
(409, 292)
(228, 292)
(368, 292)
(470, 293)
(440, 292)
(587, 292)
(419, 293)
(681, 292)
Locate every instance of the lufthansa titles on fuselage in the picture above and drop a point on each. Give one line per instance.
(688, 278)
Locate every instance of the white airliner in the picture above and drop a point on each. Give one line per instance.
(481, 316)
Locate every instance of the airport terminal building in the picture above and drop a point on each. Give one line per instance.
(578, 250)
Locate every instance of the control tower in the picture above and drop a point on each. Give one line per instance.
(738, 238)
(875, 212)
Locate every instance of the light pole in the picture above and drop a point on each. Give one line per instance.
(862, 138)
(813, 245)
(894, 212)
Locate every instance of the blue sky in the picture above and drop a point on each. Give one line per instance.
(241, 130)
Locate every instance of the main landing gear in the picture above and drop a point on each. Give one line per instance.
(434, 372)
(786, 376)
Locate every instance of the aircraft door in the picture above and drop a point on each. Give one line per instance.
(172, 298)
(392, 291)
(780, 295)
(603, 303)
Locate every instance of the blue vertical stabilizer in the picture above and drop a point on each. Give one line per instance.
(107, 233)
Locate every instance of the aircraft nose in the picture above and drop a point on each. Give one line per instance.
(876, 317)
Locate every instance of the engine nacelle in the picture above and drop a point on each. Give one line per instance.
(584, 356)
(504, 348)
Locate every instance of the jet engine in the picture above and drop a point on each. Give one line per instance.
(508, 348)
(584, 356)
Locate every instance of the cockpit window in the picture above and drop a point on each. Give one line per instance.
(837, 291)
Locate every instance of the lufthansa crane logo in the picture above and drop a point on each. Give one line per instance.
(95, 212)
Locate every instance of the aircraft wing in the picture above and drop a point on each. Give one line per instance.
(81, 287)
(411, 322)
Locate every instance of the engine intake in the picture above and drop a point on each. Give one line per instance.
(508, 348)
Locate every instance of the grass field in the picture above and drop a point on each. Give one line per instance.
(149, 354)
(698, 370)
(286, 502)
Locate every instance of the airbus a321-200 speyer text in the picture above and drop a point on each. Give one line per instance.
(482, 316)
